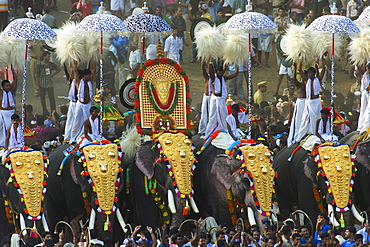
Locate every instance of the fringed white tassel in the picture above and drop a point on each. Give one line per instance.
(300, 43)
(209, 43)
(236, 49)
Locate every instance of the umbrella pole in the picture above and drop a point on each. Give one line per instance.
(249, 135)
(332, 86)
(101, 85)
(24, 93)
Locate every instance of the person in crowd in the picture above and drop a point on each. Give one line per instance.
(48, 18)
(180, 24)
(43, 132)
(134, 59)
(364, 232)
(306, 238)
(173, 46)
(265, 42)
(45, 71)
(259, 95)
(349, 234)
(7, 108)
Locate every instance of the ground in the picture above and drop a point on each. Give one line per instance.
(193, 70)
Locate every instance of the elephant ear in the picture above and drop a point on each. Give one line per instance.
(221, 167)
(4, 176)
(145, 159)
(309, 173)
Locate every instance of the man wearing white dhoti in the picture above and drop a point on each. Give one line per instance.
(363, 121)
(312, 108)
(233, 122)
(72, 97)
(206, 100)
(7, 108)
(298, 111)
(218, 109)
(82, 112)
(14, 135)
(92, 127)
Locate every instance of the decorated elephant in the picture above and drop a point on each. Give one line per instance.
(162, 179)
(23, 187)
(246, 177)
(76, 186)
(324, 179)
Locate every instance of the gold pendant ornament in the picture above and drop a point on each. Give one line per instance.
(28, 171)
(102, 167)
(336, 164)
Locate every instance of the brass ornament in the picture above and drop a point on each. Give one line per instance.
(102, 165)
(337, 165)
(257, 161)
(29, 174)
(181, 158)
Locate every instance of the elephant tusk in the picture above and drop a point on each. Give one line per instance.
(252, 220)
(331, 214)
(92, 219)
(171, 202)
(356, 214)
(193, 205)
(44, 223)
(121, 221)
(274, 219)
(22, 222)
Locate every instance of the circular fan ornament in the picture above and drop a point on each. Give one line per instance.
(332, 24)
(300, 45)
(209, 42)
(248, 23)
(359, 48)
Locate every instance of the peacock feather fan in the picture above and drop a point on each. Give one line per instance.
(209, 42)
(236, 49)
(300, 45)
(70, 45)
(359, 48)
(322, 43)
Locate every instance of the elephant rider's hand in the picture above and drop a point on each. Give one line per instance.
(150, 230)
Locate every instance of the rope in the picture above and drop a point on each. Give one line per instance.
(24, 92)
(249, 135)
(101, 85)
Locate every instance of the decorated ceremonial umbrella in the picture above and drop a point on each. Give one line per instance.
(27, 29)
(364, 19)
(332, 24)
(249, 23)
(102, 23)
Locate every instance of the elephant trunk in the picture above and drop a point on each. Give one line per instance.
(254, 217)
(103, 221)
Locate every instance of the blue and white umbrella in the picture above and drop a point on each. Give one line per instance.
(333, 24)
(249, 23)
(364, 19)
(27, 29)
(148, 24)
(101, 22)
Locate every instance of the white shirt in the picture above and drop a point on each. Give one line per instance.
(365, 81)
(81, 90)
(135, 58)
(151, 51)
(173, 45)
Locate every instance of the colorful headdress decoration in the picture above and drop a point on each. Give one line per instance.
(28, 172)
(336, 165)
(162, 97)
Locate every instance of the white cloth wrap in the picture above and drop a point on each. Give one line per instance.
(296, 120)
